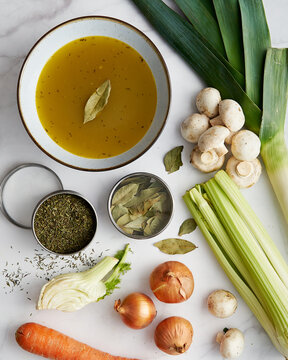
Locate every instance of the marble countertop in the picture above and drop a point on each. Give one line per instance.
(22, 22)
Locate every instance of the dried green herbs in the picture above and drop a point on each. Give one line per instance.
(141, 206)
(97, 101)
(175, 246)
(172, 159)
(65, 223)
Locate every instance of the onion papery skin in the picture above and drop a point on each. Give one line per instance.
(137, 310)
(174, 335)
(172, 282)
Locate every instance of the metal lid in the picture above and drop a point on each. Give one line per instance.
(22, 189)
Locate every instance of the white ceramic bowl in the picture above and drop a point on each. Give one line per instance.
(57, 38)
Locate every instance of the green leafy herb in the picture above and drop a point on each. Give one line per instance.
(175, 246)
(121, 268)
(187, 227)
(172, 159)
(97, 101)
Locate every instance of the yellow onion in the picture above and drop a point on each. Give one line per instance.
(137, 310)
(174, 335)
(172, 282)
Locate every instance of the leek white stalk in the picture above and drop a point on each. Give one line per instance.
(242, 247)
(72, 291)
(274, 151)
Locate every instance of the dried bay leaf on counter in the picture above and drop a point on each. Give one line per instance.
(125, 194)
(187, 227)
(172, 159)
(97, 101)
(175, 246)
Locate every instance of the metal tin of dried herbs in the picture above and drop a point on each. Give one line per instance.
(64, 222)
(140, 205)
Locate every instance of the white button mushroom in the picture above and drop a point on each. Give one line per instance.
(222, 303)
(206, 162)
(231, 343)
(245, 145)
(231, 114)
(193, 126)
(207, 102)
(244, 173)
(228, 139)
(216, 121)
(214, 138)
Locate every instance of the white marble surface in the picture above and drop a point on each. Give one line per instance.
(22, 22)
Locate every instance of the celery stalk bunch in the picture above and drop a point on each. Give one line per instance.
(245, 251)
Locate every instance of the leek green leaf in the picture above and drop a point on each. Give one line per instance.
(229, 19)
(188, 226)
(200, 16)
(175, 246)
(172, 159)
(97, 101)
(256, 39)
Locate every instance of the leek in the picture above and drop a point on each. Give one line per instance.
(214, 69)
(256, 39)
(245, 251)
(274, 151)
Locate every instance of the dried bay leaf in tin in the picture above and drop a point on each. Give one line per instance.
(125, 194)
(118, 211)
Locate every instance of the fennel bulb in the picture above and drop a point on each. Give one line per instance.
(72, 291)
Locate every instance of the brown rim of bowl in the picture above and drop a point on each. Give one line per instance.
(118, 183)
(65, 192)
(145, 38)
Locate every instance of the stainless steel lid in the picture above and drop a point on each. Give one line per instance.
(22, 189)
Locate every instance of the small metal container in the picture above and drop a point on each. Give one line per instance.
(125, 180)
(64, 192)
(25, 188)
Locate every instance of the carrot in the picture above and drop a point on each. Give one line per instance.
(49, 343)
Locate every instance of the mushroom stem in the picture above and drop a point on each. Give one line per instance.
(219, 337)
(244, 168)
(221, 150)
(209, 157)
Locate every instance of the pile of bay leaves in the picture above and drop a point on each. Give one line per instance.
(141, 206)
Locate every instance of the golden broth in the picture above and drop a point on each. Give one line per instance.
(73, 73)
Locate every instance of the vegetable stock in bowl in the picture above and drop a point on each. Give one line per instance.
(73, 73)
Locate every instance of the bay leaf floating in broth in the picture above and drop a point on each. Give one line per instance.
(97, 101)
